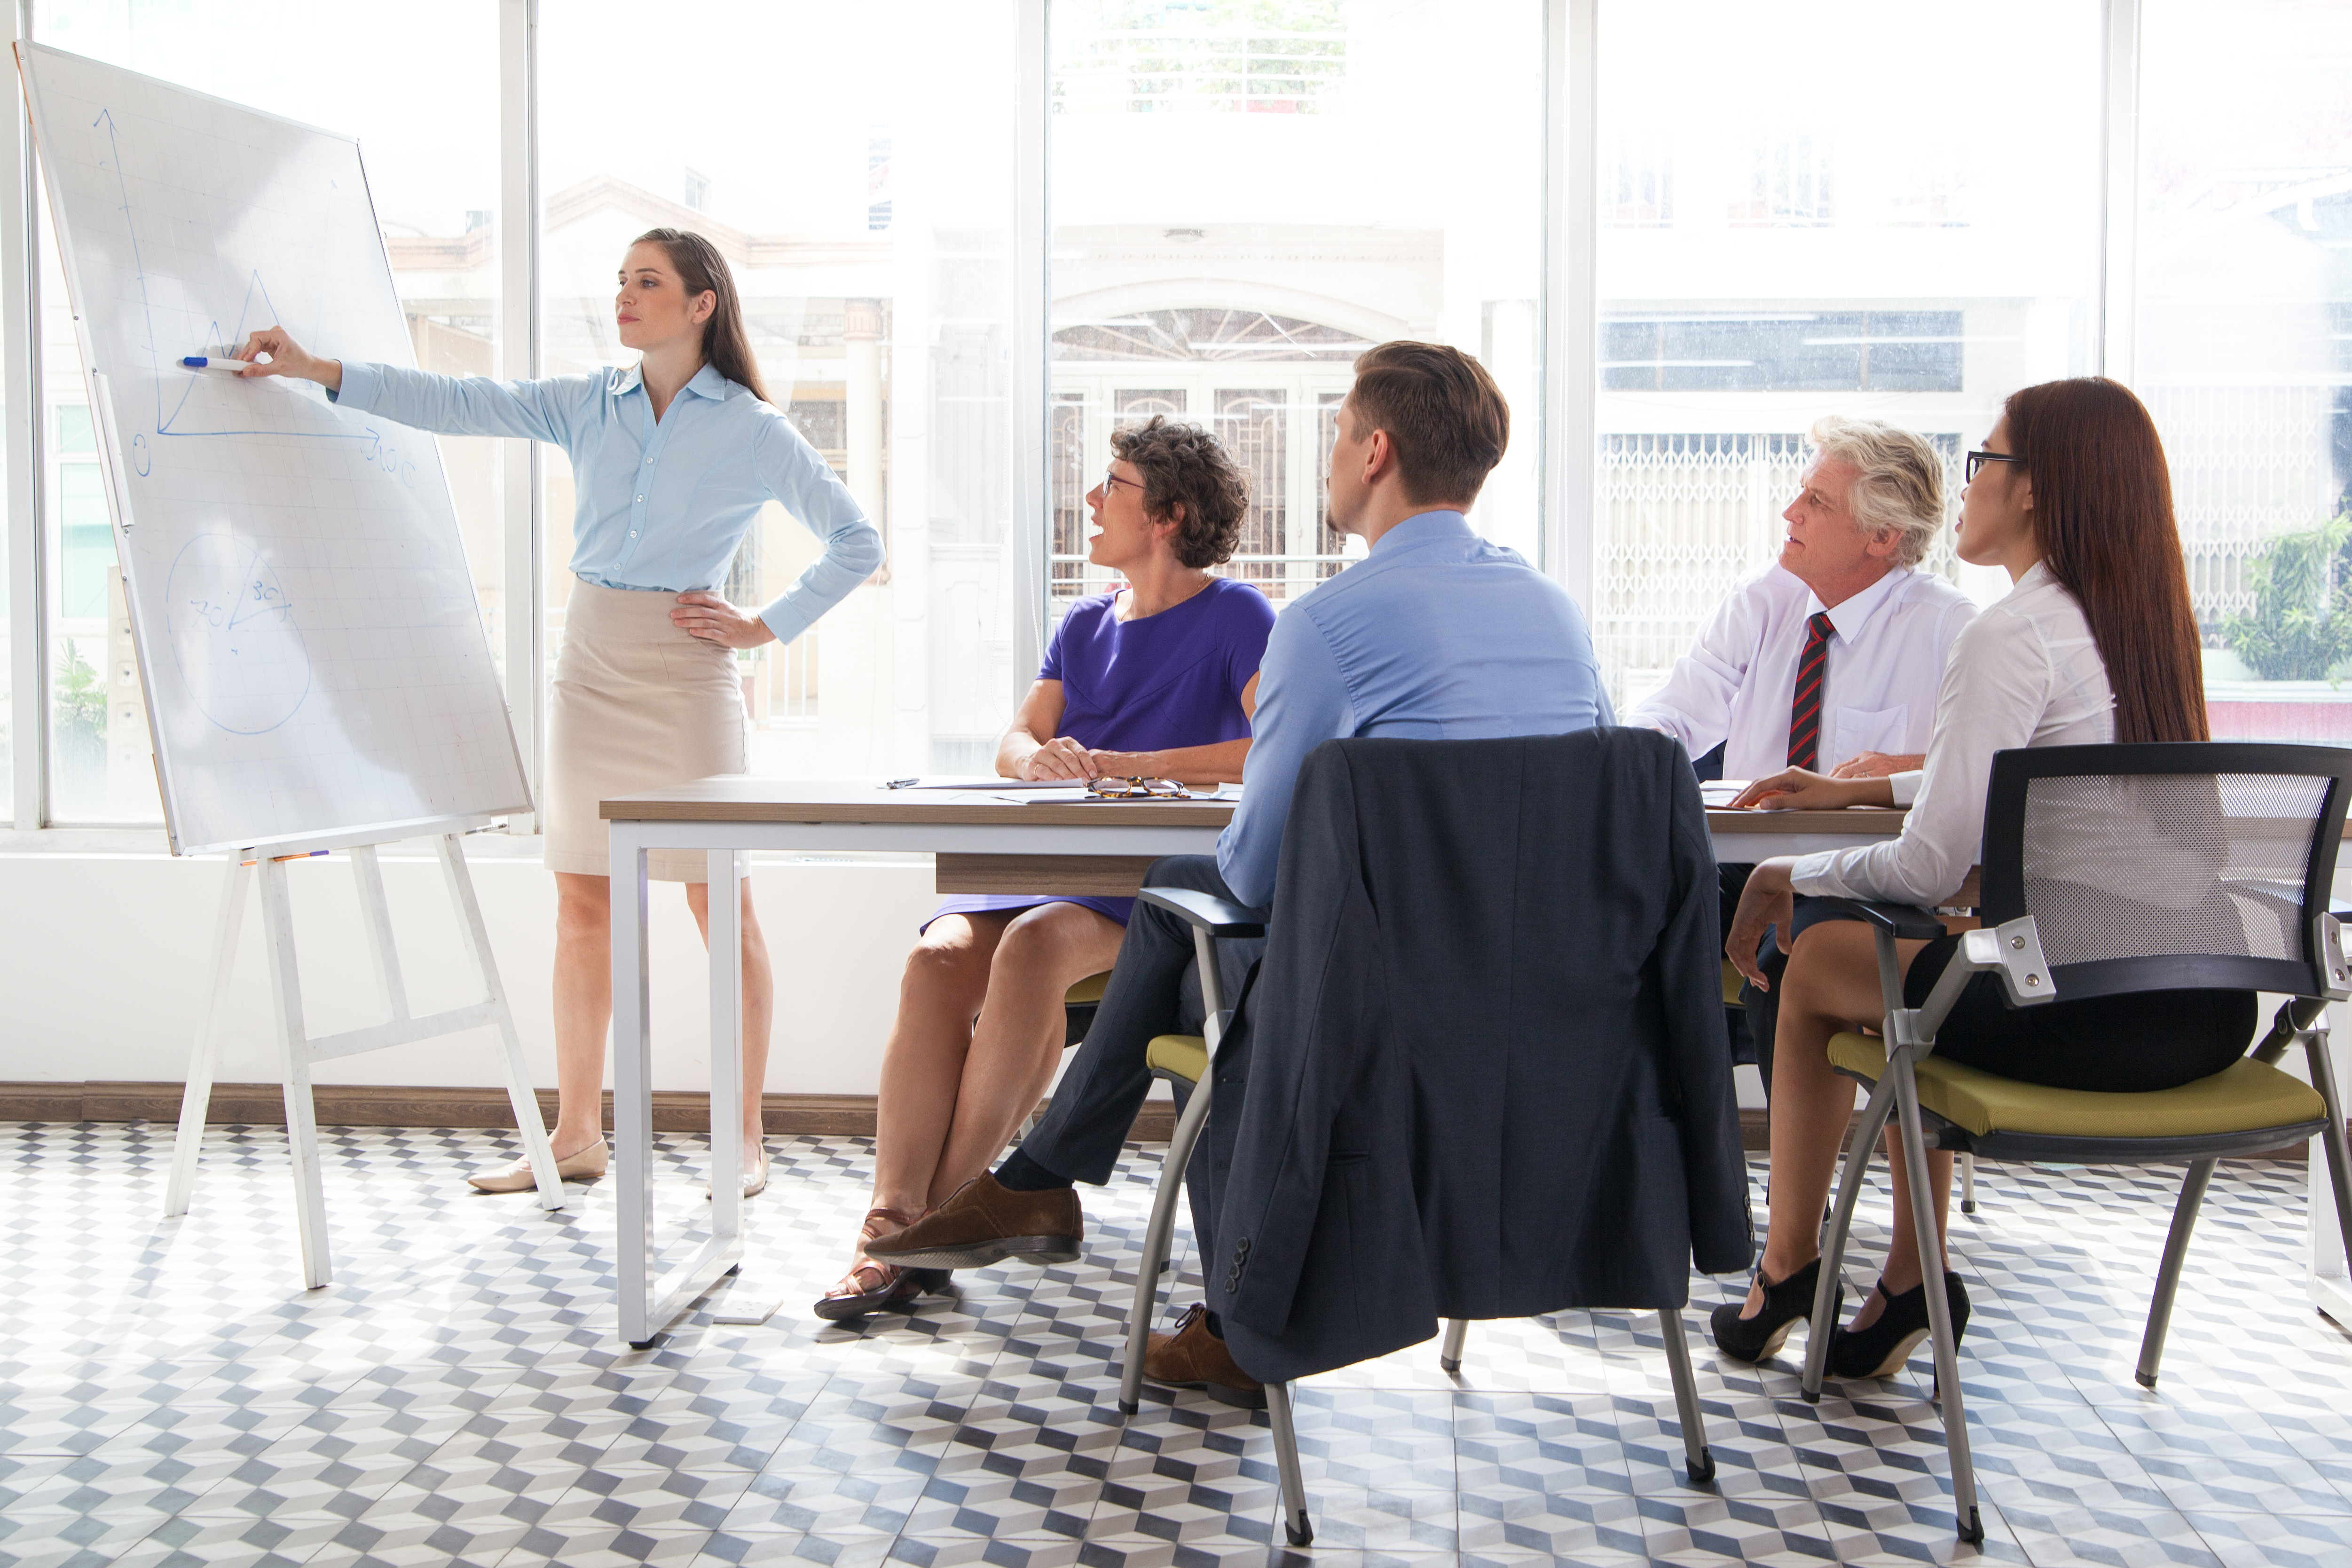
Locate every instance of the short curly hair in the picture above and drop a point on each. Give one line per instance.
(1184, 465)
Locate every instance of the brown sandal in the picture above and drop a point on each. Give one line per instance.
(869, 1287)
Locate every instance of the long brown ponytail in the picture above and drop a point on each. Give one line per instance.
(726, 346)
(2102, 516)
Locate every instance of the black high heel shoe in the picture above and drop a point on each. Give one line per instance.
(1879, 1350)
(1786, 1304)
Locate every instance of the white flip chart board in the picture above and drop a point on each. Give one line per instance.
(313, 655)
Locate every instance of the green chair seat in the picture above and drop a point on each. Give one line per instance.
(1178, 1056)
(2244, 1096)
(1086, 992)
(1732, 981)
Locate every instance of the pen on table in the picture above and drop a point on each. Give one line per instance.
(901, 784)
(213, 361)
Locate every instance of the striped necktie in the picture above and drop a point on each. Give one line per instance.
(1805, 713)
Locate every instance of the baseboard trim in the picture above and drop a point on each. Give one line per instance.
(401, 1105)
(675, 1110)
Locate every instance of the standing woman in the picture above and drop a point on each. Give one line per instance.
(672, 461)
(2095, 643)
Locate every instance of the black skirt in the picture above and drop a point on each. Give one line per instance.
(2132, 1043)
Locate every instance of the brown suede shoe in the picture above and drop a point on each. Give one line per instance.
(982, 1223)
(1193, 1357)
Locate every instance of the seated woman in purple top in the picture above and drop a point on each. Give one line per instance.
(1156, 681)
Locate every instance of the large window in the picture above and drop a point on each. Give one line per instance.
(856, 164)
(1886, 211)
(1246, 195)
(2244, 345)
(417, 83)
(1892, 211)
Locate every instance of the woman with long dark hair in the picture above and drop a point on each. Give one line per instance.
(2095, 643)
(672, 460)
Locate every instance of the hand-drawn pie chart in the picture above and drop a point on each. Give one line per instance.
(234, 635)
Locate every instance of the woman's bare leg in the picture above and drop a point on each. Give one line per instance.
(1902, 1270)
(1018, 1039)
(583, 1008)
(1829, 987)
(758, 1010)
(945, 982)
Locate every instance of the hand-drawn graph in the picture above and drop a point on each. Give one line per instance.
(234, 636)
(306, 626)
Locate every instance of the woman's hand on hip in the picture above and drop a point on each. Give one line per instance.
(1766, 902)
(286, 357)
(710, 617)
(1802, 789)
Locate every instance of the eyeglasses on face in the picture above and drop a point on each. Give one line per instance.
(1111, 479)
(1979, 459)
(1137, 789)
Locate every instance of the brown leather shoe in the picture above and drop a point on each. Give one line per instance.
(1193, 1357)
(982, 1223)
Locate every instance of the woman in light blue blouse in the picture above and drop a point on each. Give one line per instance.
(672, 461)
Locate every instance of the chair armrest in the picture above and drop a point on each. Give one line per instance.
(1906, 920)
(1206, 911)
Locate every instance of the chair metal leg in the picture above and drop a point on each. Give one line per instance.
(1968, 1184)
(2339, 1153)
(1155, 1245)
(2168, 1274)
(1939, 1308)
(1698, 1462)
(1295, 1523)
(1840, 1225)
(1449, 1354)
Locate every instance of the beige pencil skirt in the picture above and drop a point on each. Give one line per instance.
(637, 705)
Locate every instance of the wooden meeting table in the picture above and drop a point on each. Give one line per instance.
(984, 842)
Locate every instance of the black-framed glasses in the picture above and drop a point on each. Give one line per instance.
(1979, 459)
(1109, 788)
(1111, 479)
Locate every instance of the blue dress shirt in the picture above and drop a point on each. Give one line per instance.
(660, 506)
(1437, 635)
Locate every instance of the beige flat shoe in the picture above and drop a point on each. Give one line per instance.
(755, 1180)
(586, 1166)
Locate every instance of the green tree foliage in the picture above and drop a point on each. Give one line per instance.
(2302, 623)
(80, 696)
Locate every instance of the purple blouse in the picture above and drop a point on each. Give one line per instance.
(1151, 684)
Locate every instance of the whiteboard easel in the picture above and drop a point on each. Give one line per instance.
(299, 1050)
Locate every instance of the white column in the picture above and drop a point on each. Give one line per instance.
(2118, 190)
(20, 393)
(520, 462)
(861, 337)
(1571, 302)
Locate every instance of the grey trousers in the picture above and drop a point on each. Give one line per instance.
(1154, 990)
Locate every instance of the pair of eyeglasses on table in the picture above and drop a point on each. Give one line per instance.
(1108, 788)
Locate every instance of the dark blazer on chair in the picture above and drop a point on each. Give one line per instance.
(1480, 1071)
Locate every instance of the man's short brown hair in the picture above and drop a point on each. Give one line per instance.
(1446, 417)
(1183, 463)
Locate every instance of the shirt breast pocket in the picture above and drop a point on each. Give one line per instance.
(1860, 729)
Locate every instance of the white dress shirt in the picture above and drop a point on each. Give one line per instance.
(1736, 685)
(2024, 673)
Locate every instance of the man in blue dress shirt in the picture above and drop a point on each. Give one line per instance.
(1435, 635)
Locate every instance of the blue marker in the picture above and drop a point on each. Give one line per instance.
(209, 361)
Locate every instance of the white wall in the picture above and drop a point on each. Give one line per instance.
(103, 956)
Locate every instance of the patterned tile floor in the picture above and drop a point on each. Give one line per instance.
(458, 1396)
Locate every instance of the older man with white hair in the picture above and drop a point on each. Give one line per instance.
(1830, 657)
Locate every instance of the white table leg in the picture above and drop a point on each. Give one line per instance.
(632, 1108)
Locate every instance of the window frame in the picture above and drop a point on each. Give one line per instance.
(1568, 306)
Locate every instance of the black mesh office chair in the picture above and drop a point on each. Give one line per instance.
(2108, 870)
